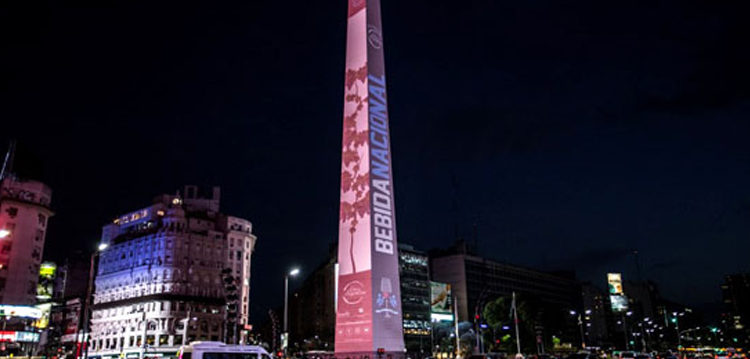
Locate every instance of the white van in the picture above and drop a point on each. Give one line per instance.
(219, 350)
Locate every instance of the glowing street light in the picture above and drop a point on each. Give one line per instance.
(89, 292)
(291, 273)
(4, 233)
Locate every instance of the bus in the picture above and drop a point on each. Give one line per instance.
(219, 350)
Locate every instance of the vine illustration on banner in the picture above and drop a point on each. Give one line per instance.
(355, 176)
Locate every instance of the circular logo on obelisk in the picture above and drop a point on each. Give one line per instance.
(374, 37)
(354, 292)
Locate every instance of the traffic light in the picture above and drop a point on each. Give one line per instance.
(231, 298)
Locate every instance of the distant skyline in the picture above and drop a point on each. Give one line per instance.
(569, 133)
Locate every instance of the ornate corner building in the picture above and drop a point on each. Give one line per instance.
(159, 281)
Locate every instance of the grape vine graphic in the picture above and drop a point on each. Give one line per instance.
(355, 178)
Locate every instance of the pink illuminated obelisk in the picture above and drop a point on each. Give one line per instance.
(368, 317)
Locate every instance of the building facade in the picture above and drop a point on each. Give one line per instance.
(415, 300)
(736, 318)
(24, 213)
(159, 283)
(596, 310)
(313, 305)
(476, 280)
(312, 309)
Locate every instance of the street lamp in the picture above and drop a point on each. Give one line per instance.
(291, 273)
(580, 326)
(4, 233)
(89, 292)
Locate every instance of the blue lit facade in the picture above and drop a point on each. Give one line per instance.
(161, 266)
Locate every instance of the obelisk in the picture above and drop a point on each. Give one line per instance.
(368, 316)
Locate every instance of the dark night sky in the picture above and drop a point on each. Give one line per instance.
(569, 132)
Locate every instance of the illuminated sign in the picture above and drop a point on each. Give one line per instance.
(437, 317)
(132, 217)
(368, 309)
(43, 322)
(46, 284)
(614, 281)
(616, 295)
(20, 311)
(8, 336)
(619, 303)
(440, 298)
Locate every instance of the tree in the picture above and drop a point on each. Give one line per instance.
(534, 318)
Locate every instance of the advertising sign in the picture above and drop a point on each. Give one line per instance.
(441, 302)
(619, 303)
(368, 314)
(46, 284)
(614, 281)
(23, 337)
(20, 311)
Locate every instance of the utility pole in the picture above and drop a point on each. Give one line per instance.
(515, 320)
(8, 162)
(455, 325)
(185, 330)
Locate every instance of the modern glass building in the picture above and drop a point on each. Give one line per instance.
(415, 300)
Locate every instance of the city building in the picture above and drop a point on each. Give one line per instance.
(415, 299)
(312, 310)
(159, 279)
(736, 318)
(312, 305)
(72, 276)
(24, 213)
(71, 284)
(596, 311)
(736, 294)
(475, 280)
(66, 328)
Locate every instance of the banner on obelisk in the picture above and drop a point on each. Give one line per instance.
(368, 317)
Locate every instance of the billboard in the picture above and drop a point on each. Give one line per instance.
(19, 337)
(43, 322)
(619, 303)
(440, 298)
(46, 284)
(22, 311)
(614, 283)
(368, 315)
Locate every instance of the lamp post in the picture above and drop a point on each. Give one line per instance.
(291, 273)
(580, 327)
(676, 321)
(89, 293)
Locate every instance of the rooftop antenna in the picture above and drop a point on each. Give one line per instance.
(8, 162)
